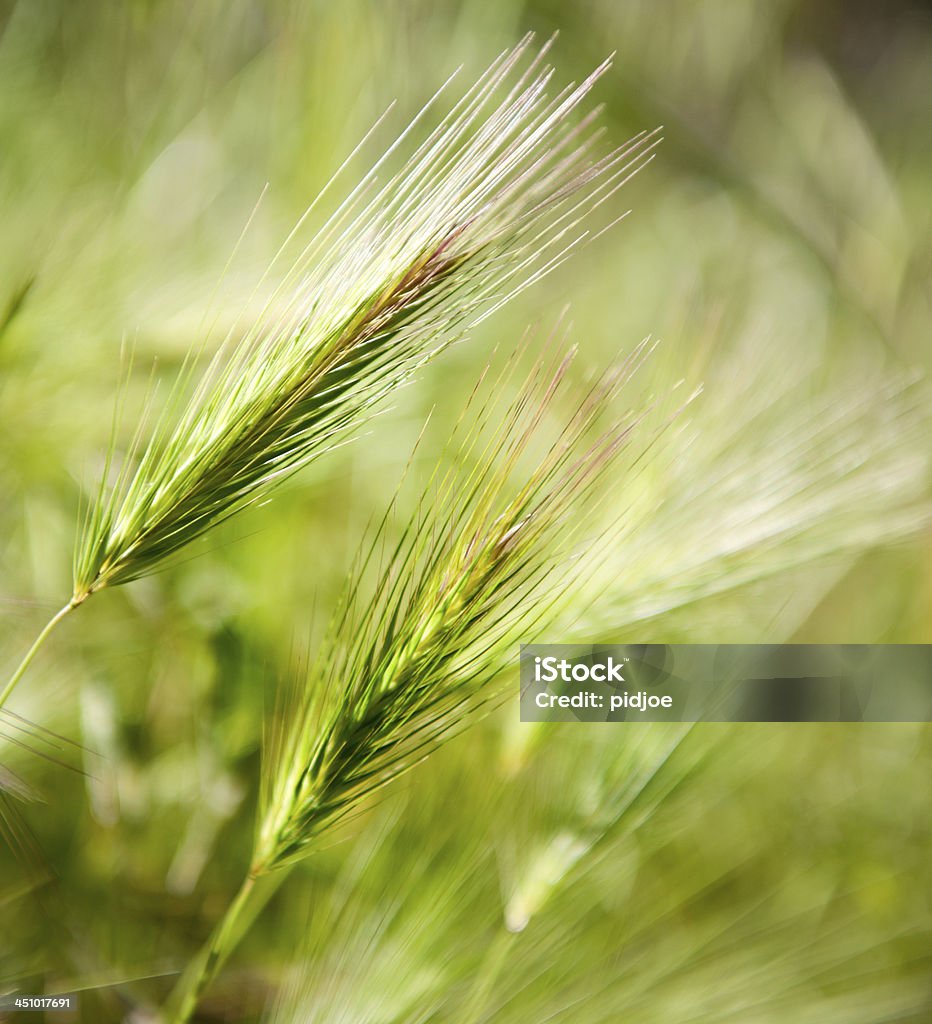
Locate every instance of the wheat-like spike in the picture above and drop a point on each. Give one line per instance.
(466, 581)
(489, 202)
(413, 664)
(479, 208)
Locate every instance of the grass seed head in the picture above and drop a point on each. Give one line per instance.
(482, 564)
(490, 201)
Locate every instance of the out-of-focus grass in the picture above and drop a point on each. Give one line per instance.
(786, 224)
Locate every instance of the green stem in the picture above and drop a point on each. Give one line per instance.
(213, 954)
(257, 888)
(31, 653)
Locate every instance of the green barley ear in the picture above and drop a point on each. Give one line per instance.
(487, 204)
(475, 571)
(481, 565)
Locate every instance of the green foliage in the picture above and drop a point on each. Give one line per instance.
(779, 249)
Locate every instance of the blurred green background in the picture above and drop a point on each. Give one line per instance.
(779, 245)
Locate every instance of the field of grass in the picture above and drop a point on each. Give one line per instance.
(254, 703)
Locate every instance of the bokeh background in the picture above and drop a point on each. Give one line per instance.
(780, 246)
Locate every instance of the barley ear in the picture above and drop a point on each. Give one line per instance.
(414, 663)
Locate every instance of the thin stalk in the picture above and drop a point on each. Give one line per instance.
(213, 954)
(226, 936)
(31, 653)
